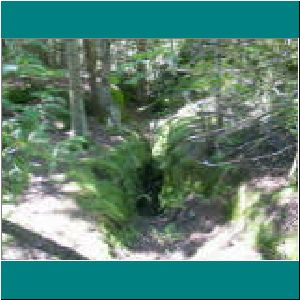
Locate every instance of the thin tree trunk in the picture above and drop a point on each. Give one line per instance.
(106, 100)
(44, 54)
(51, 52)
(78, 117)
(91, 61)
(63, 54)
(219, 108)
(142, 93)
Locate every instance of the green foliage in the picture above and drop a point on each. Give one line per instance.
(114, 78)
(47, 103)
(264, 213)
(287, 114)
(24, 51)
(52, 108)
(178, 160)
(33, 108)
(165, 106)
(181, 159)
(267, 242)
(26, 68)
(67, 151)
(23, 139)
(240, 73)
(110, 181)
(19, 95)
(117, 96)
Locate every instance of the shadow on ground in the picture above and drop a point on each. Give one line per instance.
(27, 238)
(181, 232)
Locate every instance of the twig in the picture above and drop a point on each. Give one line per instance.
(209, 164)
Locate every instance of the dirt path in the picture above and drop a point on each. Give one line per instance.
(200, 232)
(46, 223)
(223, 243)
(197, 232)
(50, 226)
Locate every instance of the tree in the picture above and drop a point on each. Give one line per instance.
(142, 93)
(218, 64)
(91, 63)
(111, 108)
(62, 54)
(78, 117)
(51, 43)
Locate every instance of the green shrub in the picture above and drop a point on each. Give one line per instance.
(23, 139)
(24, 135)
(110, 181)
(19, 95)
(181, 159)
(171, 154)
(34, 69)
(267, 241)
(117, 96)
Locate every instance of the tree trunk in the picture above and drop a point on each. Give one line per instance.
(111, 108)
(44, 54)
(78, 117)
(63, 54)
(91, 61)
(219, 108)
(142, 93)
(51, 52)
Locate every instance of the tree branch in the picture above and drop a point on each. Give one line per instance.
(235, 161)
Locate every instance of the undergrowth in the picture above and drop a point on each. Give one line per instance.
(29, 114)
(111, 183)
(181, 159)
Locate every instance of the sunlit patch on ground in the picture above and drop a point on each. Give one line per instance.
(70, 187)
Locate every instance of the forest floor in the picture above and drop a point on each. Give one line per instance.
(199, 232)
(46, 223)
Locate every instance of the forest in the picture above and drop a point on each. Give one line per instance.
(150, 149)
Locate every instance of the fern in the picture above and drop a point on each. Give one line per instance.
(110, 181)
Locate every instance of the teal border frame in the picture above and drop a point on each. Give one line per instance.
(150, 19)
(137, 279)
(150, 280)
